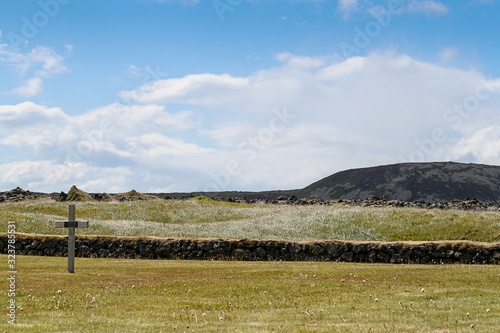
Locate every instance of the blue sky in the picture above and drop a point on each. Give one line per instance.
(187, 95)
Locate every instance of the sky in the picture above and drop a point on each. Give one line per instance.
(241, 95)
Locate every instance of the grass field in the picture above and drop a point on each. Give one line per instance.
(114, 295)
(209, 219)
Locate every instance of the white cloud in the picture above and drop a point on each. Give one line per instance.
(236, 134)
(31, 87)
(483, 145)
(348, 8)
(131, 140)
(30, 115)
(43, 175)
(425, 7)
(181, 89)
(359, 112)
(40, 62)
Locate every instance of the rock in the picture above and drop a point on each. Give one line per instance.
(134, 196)
(61, 197)
(76, 194)
(317, 250)
(16, 195)
(347, 256)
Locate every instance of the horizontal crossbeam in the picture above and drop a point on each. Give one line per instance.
(72, 224)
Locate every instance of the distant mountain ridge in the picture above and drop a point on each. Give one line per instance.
(430, 182)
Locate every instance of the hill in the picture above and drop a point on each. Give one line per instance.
(430, 182)
(410, 182)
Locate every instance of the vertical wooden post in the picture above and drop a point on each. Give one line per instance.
(71, 224)
(71, 241)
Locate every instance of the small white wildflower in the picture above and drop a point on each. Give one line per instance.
(487, 310)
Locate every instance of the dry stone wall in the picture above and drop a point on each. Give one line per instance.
(259, 250)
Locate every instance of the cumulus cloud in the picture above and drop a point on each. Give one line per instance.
(277, 128)
(28, 115)
(483, 145)
(383, 108)
(28, 173)
(116, 137)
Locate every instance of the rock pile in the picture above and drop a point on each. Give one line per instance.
(76, 194)
(15, 195)
(467, 204)
(259, 250)
(134, 196)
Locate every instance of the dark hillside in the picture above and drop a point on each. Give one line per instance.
(437, 181)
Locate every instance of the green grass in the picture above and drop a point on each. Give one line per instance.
(114, 295)
(202, 217)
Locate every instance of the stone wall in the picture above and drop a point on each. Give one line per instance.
(262, 250)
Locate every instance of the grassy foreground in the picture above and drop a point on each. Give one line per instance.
(205, 218)
(212, 296)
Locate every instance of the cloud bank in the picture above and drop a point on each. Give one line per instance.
(278, 128)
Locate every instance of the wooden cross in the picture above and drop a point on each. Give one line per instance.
(71, 224)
